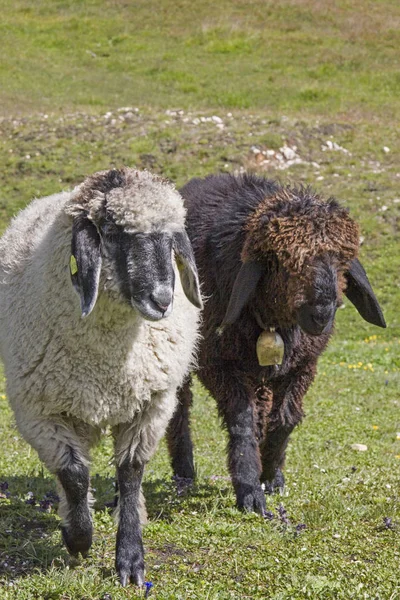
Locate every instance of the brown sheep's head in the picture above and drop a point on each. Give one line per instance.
(314, 245)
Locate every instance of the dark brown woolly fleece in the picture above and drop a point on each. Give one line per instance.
(296, 237)
(296, 226)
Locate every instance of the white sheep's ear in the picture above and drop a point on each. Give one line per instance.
(243, 288)
(187, 268)
(85, 264)
(361, 294)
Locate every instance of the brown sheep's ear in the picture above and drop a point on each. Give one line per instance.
(187, 268)
(361, 294)
(85, 264)
(245, 285)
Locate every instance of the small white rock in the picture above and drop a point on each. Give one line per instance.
(288, 152)
(359, 447)
(386, 149)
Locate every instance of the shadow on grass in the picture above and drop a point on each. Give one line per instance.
(164, 499)
(29, 527)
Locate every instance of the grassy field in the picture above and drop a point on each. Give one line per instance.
(299, 90)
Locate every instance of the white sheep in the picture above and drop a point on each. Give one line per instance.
(113, 359)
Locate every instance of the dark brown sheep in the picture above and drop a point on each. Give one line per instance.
(268, 257)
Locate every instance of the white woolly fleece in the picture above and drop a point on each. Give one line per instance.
(68, 377)
(145, 202)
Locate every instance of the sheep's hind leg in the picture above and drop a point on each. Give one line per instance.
(178, 436)
(63, 446)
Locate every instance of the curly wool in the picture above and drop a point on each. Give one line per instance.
(293, 237)
(297, 226)
(113, 367)
(136, 200)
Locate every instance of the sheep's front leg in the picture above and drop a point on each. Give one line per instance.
(134, 445)
(129, 553)
(273, 451)
(63, 446)
(235, 397)
(77, 528)
(178, 435)
(286, 413)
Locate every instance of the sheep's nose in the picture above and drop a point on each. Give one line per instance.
(162, 297)
(314, 320)
(320, 321)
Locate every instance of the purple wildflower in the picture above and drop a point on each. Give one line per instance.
(283, 515)
(388, 522)
(148, 586)
(46, 504)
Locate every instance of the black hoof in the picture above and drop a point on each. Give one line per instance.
(77, 541)
(251, 499)
(276, 485)
(182, 484)
(183, 470)
(133, 574)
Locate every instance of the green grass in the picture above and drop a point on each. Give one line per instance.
(301, 55)
(300, 73)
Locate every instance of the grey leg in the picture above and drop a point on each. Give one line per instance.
(63, 445)
(77, 528)
(134, 445)
(129, 554)
(178, 435)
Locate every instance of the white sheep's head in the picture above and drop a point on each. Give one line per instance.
(129, 224)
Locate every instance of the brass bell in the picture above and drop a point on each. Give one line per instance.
(270, 348)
